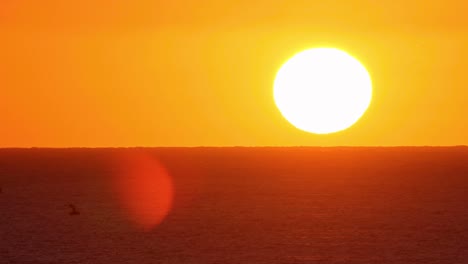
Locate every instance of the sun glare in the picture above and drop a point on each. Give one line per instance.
(322, 90)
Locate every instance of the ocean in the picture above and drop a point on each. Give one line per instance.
(234, 205)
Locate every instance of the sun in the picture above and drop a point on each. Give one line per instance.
(322, 90)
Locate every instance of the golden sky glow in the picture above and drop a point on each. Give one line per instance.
(190, 73)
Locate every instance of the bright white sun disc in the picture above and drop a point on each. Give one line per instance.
(322, 90)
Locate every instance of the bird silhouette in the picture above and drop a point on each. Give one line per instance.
(74, 211)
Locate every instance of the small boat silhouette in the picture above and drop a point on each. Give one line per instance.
(74, 211)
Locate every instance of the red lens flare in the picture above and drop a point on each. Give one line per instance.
(145, 189)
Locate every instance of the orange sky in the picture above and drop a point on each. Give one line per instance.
(196, 72)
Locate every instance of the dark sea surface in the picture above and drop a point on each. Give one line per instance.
(236, 205)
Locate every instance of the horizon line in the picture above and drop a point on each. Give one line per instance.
(240, 146)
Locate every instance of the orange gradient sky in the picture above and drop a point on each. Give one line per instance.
(195, 73)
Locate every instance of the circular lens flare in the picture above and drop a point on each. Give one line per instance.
(145, 189)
